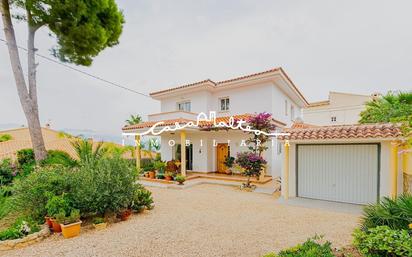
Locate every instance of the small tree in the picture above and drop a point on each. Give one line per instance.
(251, 163)
(82, 28)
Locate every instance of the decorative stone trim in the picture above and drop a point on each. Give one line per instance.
(25, 241)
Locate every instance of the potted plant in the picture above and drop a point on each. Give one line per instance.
(168, 175)
(48, 221)
(70, 224)
(229, 162)
(159, 166)
(54, 206)
(149, 168)
(125, 214)
(180, 179)
(99, 223)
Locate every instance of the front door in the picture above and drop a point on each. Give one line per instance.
(222, 154)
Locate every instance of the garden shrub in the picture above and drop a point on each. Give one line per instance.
(394, 213)
(21, 227)
(310, 248)
(142, 198)
(383, 241)
(5, 137)
(57, 205)
(7, 172)
(32, 193)
(25, 156)
(58, 157)
(107, 186)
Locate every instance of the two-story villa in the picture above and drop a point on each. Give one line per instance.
(270, 91)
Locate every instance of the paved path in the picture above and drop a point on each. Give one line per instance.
(205, 220)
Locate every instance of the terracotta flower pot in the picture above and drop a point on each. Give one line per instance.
(48, 222)
(71, 230)
(56, 226)
(152, 174)
(100, 226)
(124, 215)
(168, 178)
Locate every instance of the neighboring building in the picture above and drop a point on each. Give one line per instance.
(53, 140)
(269, 91)
(341, 108)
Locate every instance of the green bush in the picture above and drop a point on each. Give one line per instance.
(58, 157)
(180, 179)
(32, 193)
(25, 156)
(310, 248)
(74, 217)
(5, 137)
(57, 205)
(394, 213)
(383, 241)
(103, 187)
(7, 172)
(142, 198)
(98, 220)
(21, 227)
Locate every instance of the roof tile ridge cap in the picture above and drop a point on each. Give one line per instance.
(248, 75)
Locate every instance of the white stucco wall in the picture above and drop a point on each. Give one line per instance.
(204, 157)
(345, 107)
(264, 97)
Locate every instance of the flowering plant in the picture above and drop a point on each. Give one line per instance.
(251, 163)
(262, 122)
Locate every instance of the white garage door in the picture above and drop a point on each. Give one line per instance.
(343, 173)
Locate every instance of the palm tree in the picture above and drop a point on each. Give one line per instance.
(134, 119)
(87, 153)
(391, 107)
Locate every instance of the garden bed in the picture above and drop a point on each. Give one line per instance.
(25, 241)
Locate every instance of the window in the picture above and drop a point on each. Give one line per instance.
(184, 106)
(286, 107)
(292, 112)
(333, 119)
(224, 104)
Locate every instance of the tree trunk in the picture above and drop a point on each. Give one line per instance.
(28, 99)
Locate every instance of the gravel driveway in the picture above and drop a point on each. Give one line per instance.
(205, 220)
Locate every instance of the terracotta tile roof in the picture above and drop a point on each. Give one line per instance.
(222, 83)
(358, 131)
(172, 122)
(301, 125)
(53, 140)
(248, 76)
(21, 140)
(149, 124)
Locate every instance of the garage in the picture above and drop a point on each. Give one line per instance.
(338, 172)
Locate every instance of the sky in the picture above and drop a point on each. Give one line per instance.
(346, 46)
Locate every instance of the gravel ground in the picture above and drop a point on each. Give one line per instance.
(205, 220)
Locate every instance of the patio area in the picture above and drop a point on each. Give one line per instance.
(206, 220)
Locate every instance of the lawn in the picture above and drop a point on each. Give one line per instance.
(204, 220)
